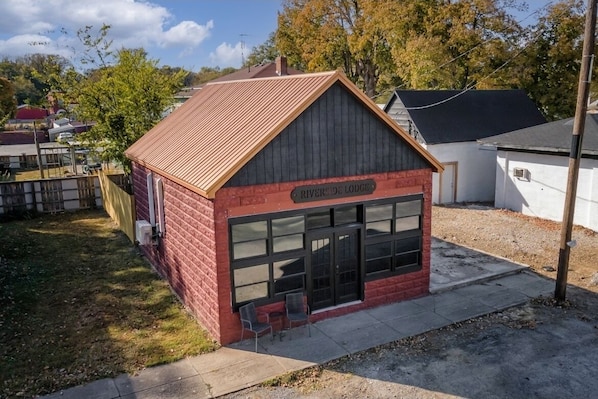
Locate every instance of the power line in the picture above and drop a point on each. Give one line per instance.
(467, 88)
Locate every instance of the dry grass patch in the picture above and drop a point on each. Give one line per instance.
(78, 303)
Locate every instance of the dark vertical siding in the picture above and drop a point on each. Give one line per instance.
(336, 136)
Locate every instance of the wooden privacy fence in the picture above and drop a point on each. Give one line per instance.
(105, 189)
(119, 203)
(49, 196)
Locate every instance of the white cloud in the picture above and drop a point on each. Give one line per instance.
(133, 24)
(22, 45)
(187, 33)
(227, 55)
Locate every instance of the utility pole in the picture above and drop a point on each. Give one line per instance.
(583, 91)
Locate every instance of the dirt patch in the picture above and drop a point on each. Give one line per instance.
(541, 349)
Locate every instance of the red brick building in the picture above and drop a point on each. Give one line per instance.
(257, 188)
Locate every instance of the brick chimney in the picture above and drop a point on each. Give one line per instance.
(281, 66)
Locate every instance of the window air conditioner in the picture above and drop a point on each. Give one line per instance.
(521, 173)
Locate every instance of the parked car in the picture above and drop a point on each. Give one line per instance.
(64, 137)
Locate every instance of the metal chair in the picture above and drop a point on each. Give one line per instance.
(250, 322)
(297, 311)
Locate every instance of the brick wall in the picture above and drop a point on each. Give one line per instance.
(186, 253)
(242, 201)
(193, 254)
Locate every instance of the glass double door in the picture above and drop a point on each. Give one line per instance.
(334, 268)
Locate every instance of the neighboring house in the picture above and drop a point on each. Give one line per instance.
(261, 187)
(448, 123)
(27, 113)
(266, 70)
(532, 167)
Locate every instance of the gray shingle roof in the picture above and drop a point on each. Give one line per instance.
(549, 137)
(448, 116)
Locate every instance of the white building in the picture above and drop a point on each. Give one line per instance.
(448, 124)
(532, 170)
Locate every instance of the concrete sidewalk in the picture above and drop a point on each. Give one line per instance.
(460, 294)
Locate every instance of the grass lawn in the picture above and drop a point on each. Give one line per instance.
(78, 303)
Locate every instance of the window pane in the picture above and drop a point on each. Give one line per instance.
(252, 274)
(284, 226)
(408, 223)
(288, 267)
(318, 220)
(378, 212)
(345, 215)
(407, 259)
(377, 265)
(381, 250)
(409, 208)
(251, 292)
(249, 231)
(287, 243)
(248, 249)
(377, 228)
(289, 284)
(407, 245)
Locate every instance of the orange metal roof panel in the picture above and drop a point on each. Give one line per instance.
(212, 135)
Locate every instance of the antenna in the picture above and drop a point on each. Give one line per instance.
(241, 35)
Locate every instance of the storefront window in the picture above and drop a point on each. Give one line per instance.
(261, 270)
(393, 237)
(269, 252)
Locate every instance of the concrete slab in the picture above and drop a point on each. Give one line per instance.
(353, 321)
(395, 310)
(530, 284)
(223, 358)
(418, 323)
(191, 387)
(504, 299)
(370, 336)
(241, 375)
(482, 289)
(154, 377)
(464, 310)
(454, 266)
(101, 389)
(319, 348)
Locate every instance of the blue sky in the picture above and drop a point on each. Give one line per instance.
(185, 33)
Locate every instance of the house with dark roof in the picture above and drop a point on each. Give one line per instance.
(257, 188)
(448, 124)
(532, 167)
(278, 67)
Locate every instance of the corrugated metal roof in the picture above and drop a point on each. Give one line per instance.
(210, 137)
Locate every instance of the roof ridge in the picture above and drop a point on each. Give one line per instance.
(297, 76)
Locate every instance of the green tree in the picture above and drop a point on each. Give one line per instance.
(552, 59)
(125, 101)
(265, 52)
(206, 74)
(317, 35)
(8, 104)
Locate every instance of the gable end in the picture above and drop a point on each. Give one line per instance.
(336, 136)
